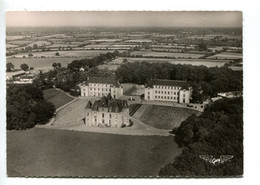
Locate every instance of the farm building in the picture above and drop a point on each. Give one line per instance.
(14, 74)
(168, 90)
(107, 112)
(97, 86)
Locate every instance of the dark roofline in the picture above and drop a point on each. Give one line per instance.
(113, 105)
(101, 80)
(174, 83)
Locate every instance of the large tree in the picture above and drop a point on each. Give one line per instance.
(43, 111)
(54, 65)
(20, 103)
(9, 67)
(24, 67)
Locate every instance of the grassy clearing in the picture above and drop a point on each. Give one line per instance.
(165, 54)
(20, 42)
(71, 53)
(195, 62)
(227, 55)
(165, 117)
(39, 43)
(58, 98)
(39, 62)
(50, 152)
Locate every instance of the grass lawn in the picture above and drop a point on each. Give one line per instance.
(165, 117)
(50, 152)
(58, 98)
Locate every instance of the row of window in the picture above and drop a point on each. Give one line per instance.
(102, 89)
(98, 94)
(103, 115)
(166, 97)
(165, 92)
(166, 87)
(100, 85)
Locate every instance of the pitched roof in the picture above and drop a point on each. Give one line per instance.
(175, 83)
(101, 80)
(89, 105)
(113, 105)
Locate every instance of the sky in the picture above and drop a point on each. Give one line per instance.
(125, 18)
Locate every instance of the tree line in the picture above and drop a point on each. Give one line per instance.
(204, 81)
(217, 131)
(93, 62)
(26, 107)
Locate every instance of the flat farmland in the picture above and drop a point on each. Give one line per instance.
(195, 62)
(70, 53)
(56, 153)
(166, 49)
(227, 55)
(58, 98)
(40, 63)
(166, 54)
(39, 43)
(61, 45)
(11, 46)
(165, 117)
(20, 42)
(14, 37)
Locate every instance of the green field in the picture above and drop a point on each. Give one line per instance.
(44, 64)
(165, 117)
(165, 54)
(227, 55)
(195, 62)
(50, 152)
(70, 53)
(58, 98)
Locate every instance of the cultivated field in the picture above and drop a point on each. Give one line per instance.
(164, 117)
(14, 37)
(195, 62)
(80, 53)
(227, 55)
(39, 43)
(44, 64)
(11, 46)
(165, 54)
(58, 98)
(20, 42)
(50, 152)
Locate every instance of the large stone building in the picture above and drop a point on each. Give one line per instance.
(168, 90)
(107, 112)
(96, 86)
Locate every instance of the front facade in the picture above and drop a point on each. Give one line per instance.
(107, 112)
(168, 90)
(96, 86)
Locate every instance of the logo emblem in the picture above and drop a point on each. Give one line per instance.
(214, 160)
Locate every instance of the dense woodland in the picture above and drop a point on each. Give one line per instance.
(205, 81)
(26, 107)
(217, 131)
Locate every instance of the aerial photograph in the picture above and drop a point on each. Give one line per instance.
(124, 94)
